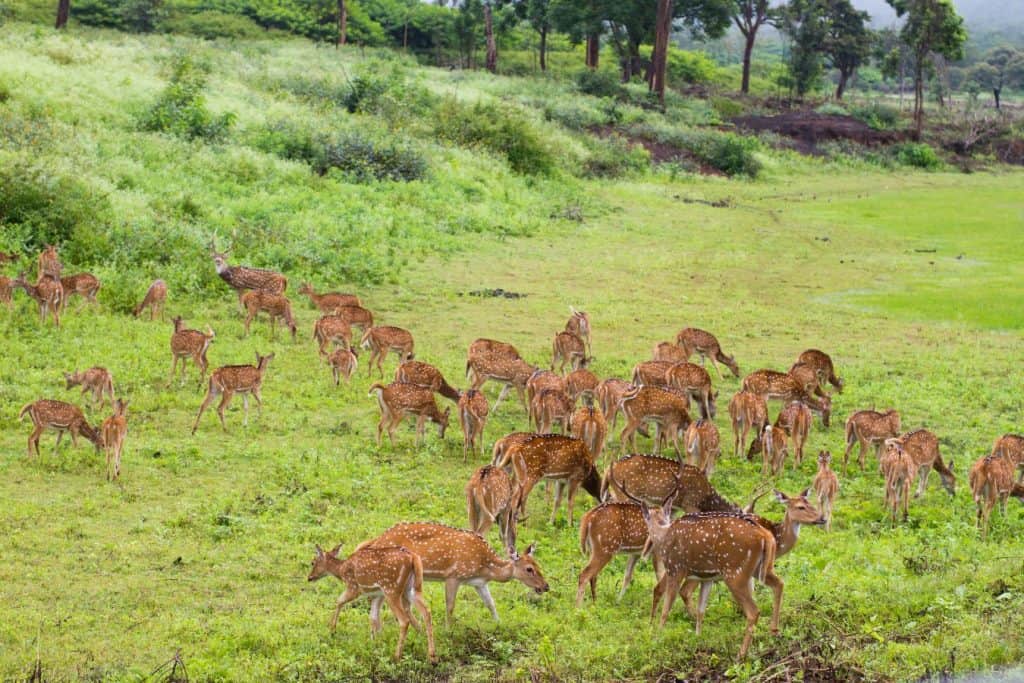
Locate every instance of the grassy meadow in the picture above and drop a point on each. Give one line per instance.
(910, 280)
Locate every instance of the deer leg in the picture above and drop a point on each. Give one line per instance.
(773, 581)
(659, 590)
(558, 499)
(428, 625)
(672, 582)
(225, 401)
(485, 594)
(398, 609)
(589, 575)
(702, 603)
(60, 435)
(33, 440)
(922, 476)
(501, 395)
(451, 591)
(740, 589)
(375, 605)
(348, 596)
(571, 501)
(627, 578)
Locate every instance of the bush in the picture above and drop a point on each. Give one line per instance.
(361, 159)
(917, 154)
(499, 128)
(685, 66)
(727, 108)
(615, 157)
(731, 154)
(141, 16)
(832, 109)
(181, 108)
(362, 91)
(600, 84)
(212, 25)
(877, 116)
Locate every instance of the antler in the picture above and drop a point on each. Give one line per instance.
(759, 491)
(627, 494)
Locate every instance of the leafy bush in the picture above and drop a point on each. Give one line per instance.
(498, 127)
(685, 66)
(731, 154)
(181, 108)
(581, 114)
(832, 109)
(877, 116)
(917, 154)
(615, 157)
(212, 24)
(141, 16)
(288, 140)
(362, 90)
(600, 84)
(727, 108)
(361, 159)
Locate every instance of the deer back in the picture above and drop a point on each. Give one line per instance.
(492, 346)
(795, 419)
(473, 404)
(693, 340)
(355, 315)
(716, 545)
(748, 407)
(612, 528)
(551, 455)
(656, 402)
(651, 373)
(580, 382)
(445, 551)
(668, 352)
(588, 425)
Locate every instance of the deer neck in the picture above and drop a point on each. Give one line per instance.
(786, 533)
(501, 571)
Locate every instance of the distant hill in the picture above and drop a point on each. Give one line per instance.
(977, 13)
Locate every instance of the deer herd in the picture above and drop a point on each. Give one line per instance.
(711, 540)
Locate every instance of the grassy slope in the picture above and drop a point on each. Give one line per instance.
(204, 544)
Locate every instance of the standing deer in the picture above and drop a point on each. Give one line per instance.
(187, 344)
(653, 479)
(426, 375)
(870, 428)
(579, 325)
(1012, 447)
(472, 417)
(747, 411)
(6, 292)
(96, 381)
(154, 300)
(580, 383)
(490, 498)
(511, 372)
(608, 530)
(822, 363)
(331, 328)
(795, 420)
(669, 352)
(382, 339)
(276, 306)
(229, 380)
(327, 302)
(486, 347)
(553, 407)
(49, 263)
(774, 446)
(898, 469)
(540, 381)
(501, 455)
(112, 434)
(394, 574)
(923, 448)
(588, 425)
(702, 445)
(704, 344)
(398, 400)
(664, 407)
(695, 382)
(568, 348)
(651, 373)
(356, 316)
(807, 377)
(343, 363)
(992, 480)
(459, 557)
(60, 417)
(562, 459)
(243, 278)
(609, 395)
(48, 293)
(770, 384)
(826, 485)
(85, 285)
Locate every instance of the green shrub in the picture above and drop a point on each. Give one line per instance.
(498, 127)
(726, 107)
(212, 25)
(288, 140)
(600, 84)
(141, 16)
(5, 92)
(361, 92)
(878, 116)
(732, 154)
(181, 108)
(614, 157)
(685, 66)
(832, 109)
(361, 159)
(917, 154)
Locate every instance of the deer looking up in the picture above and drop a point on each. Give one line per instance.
(243, 278)
(48, 293)
(50, 265)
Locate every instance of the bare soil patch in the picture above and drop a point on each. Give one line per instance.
(809, 129)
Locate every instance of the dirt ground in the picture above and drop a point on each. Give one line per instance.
(808, 129)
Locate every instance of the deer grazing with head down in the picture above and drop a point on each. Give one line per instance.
(48, 294)
(553, 407)
(695, 382)
(275, 305)
(666, 408)
(782, 386)
(185, 344)
(579, 325)
(691, 341)
(383, 339)
(923, 448)
(398, 400)
(822, 364)
(229, 380)
(561, 459)
(795, 420)
(490, 499)
(60, 417)
(394, 574)
(472, 407)
(506, 370)
(356, 316)
(568, 348)
(112, 433)
(992, 480)
(807, 377)
(331, 328)
(426, 375)
(870, 428)
(154, 300)
(609, 393)
(703, 445)
(581, 383)
(826, 486)
(588, 425)
(244, 278)
(747, 411)
(96, 381)
(343, 362)
(327, 302)
(652, 479)
(85, 285)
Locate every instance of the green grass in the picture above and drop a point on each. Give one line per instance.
(204, 545)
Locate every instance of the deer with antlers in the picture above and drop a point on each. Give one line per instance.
(702, 445)
(609, 393)
(992, 480)
(666, 408)
(275, 305)
(490, 499)
(399, 400)
(579, 325)
(383, 339)
(568, 348)
(244, 278)
(651, 373)
(229, 380)
(553, 407)
(97, 381)
(669, 353)
(581, 383)
(795, 420)
(112, 434)
(459, 557)
(60, 417)
(154, 300)
(652, 479)
(822, 364)
(898, 469)
(747, 411)
(394, 574)
(770, 384)
(343, 362)
(49, 263)
(923, 448)
(327, 302)
(472, 407)
(48, 294)
(511, 372)
(561, 459)
(85, 285)
(185, 344)
(588, 425)
(426, 375)
(331, 328)
(691, 341)
(826, 486)
(608, 530)
(870, 428)
(695, 382)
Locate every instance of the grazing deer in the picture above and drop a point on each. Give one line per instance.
(395, 574)
(472, 417)
(702, 445)
(356, 316)
(992, 480)
(581, 383)
(490, 497)
(826, 485)
(608, 530)
(331, 328)
(553, 407)
(459, 557)
(49, 263)
(579, 325)
(502, 453)
(664, 407)
(343, 363)
(229, 380)
(112, 434)
(243, 278)
(609, 395)
(747, 411)
(382, 339)
(60, 417)
(773, 444)
(795, 420)
(154, 300)
(568, 348)
(669, 352)
(187, 344)
(870, 428)
(651, 373)
(807, 377)
(85, 285)
(276, 306)
(48, 294)
(770, 384)
(1012, 447)
(327, 302)
(96, 381)
(397, 400)
(652, 479)
(540, 381)
(923, 448)
(511, 372)
(489, 347)
(704, 344)
(898, 469)
(822, 363)
(426, 375)
(588, 425)
(695, 382)
(562, 459)
(6, 292)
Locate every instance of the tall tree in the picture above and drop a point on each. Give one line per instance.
(583, 22)
(848, 40)
(492, 45)
(342, 22)
(999, 68)
(659, 56)
(749, 16)
(892, 58)
(805, 24)
(538, 13)
(63, 11)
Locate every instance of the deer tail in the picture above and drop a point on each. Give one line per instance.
(375, 388)
(24, 411)
(472, 508)
(365, 341)
(417, 573)
(585, 543)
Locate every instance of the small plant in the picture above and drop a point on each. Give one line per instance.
(832, 109)
(600, 84)
(362, 159)
(181, 108)
(918, 155)
(726, 108)
(499, 128)
(877, 116)
(615, 157)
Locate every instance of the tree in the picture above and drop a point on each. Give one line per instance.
(999, 68)
(892, 58)
(538, 13)
(582, 21)
(63, 11)
(932, 27)
(659, 55)
(749, 16)
(342, 22)
(848, 40)
(492, 45)
(805, 23)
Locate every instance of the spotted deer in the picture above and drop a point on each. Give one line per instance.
(49, 263)
(822, 363)
(501, 455)
(992, 480)
(782, 386)
(669, 353)
(6, 292)
(826, 486)
(568, 348)
(112, 434)
(651, 373)
(85, 285)
(870, 428)
(667, 409)
(702, 445)
(747, 411)
(96, 381)
(394, 574)
(60, 417)
(795, 420)
(459, 557)
(561, 459)
(553, 407)
(609, 395)
(356, 316)
(691, 341)
(48, 294)
(1012, 447)
(581, 383)
(398, 400)
(608, 530)
(383, 339)
(490, 497)
(511, 372)
(923, 448)
(327, 302)
(486, 347)
(540, 381)
(154, 300)
(343, 362)
(472, 417)
(579, 325)
(331, 328)
(695, 382)
(588, 425)
(185, 344)
(275, 305)
(228, 380)
(244, 278)
(653, 479)
(426, 375)
(807, 377)
(774, 447)
(898, 469)
(8, 257)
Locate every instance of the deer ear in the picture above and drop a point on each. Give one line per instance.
(333, 552)
(319, 551)
(950, 465)
(780, 496)
(805, 492)
(530, 548)
(512, 554)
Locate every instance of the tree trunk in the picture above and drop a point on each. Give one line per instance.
(492, 47)
(543, 48)
(659, 56)
(996, 92)
(593, 50)
(748, 51)
(841, 87)
(342, 22)
(405, 35)
(63, 10)
(918, 100)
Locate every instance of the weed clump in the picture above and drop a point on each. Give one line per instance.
(499, 128)
(181, 108)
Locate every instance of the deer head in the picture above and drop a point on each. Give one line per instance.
(442, 422)
(658, 519)
(799, 510)
(323, 562)
(262, 361)
(824, 458)
(72, 378)
(524, 568)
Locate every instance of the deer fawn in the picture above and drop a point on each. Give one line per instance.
(356, 316)
(588, 425)
(382, 339)
(276, 306)
(795, 420)
(187, 344)
(606, 531)
(665, 408)
(653, 479)
(113, 432)
(459, 557)
(398, 400)
(154, 300)
(568, 348)
(490, 497)
(242, 278)
(651, 373)
(331, 328)
(426, 375)
(96, 381)
(992, 480)
(899, 469)
(48, 294)
(579, 325)
(695, 382)
(540, 381)
(770, 384)
(870, 428)
(395, 574)
(229, 380)
(822, 364)
(343, 363)
(702, 445)
(49, 263)
(511, 372)
(806, 377)
(85, 285)
(704, 344)
(609, 395)
(562, 459)
(669, 352)
(581, 383)
(328, 301)
(774, 447)
(747, 411)
(826, 485)
(553, 407)
(923, 448)
(472, 417)
(60, 417)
